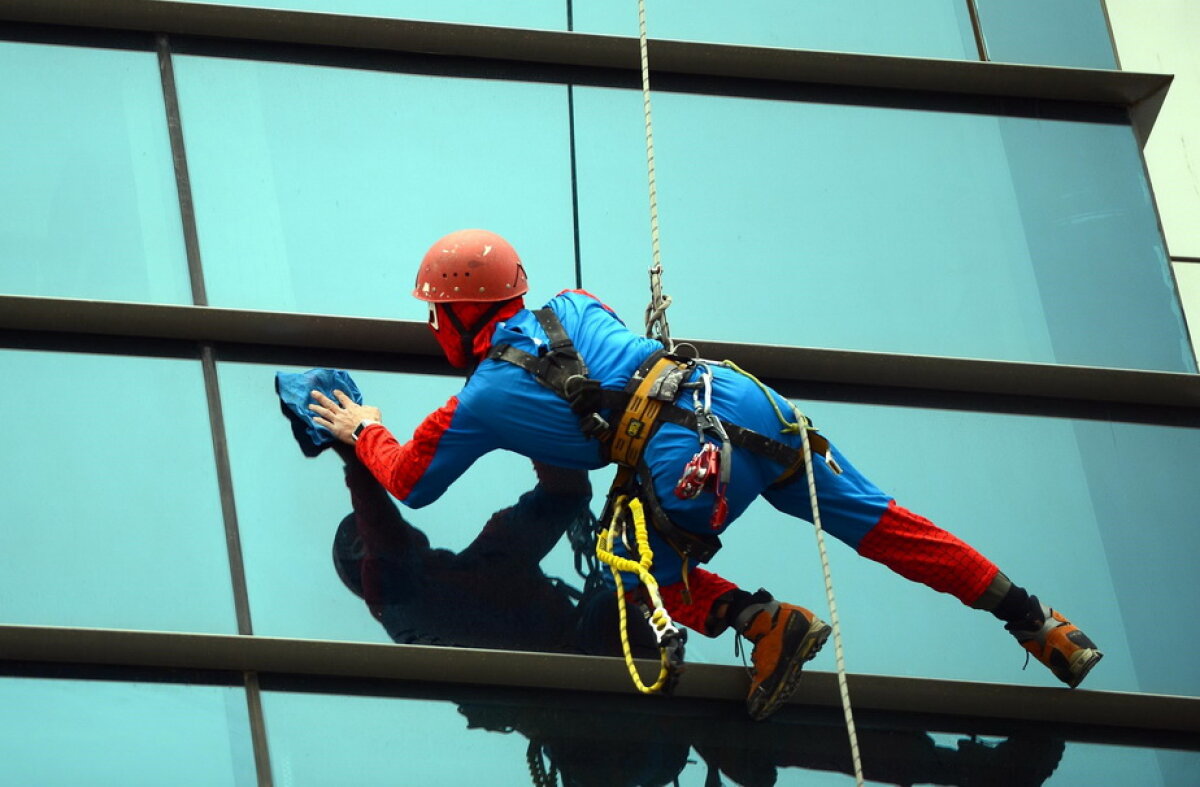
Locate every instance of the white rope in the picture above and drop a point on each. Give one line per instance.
(656, 317)
(834, 620)
(656, 320)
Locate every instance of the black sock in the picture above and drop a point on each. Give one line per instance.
(739, 602)
(1017, 606)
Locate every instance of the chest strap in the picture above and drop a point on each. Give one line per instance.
(561, 369)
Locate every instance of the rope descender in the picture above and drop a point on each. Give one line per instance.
(670, 638)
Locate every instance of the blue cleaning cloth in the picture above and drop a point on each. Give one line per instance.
(295, 395)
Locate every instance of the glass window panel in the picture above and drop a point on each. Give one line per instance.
(289, 509)
(88, 206)
(320, 189)
(317, 740)
(1187, 277)
(1027, 492)
(1060, 33)
(870, 228)
(1056, 503)
(918, 28)
(537, 14)
(112, 514)
(61, 732)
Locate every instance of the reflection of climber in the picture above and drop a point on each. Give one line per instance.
(493, 594)
(586, 744)
(532, 393)
(892, 757)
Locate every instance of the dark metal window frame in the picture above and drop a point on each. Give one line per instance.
(212, 334)
(581, 58)
(1168, 398)
(1155, 721)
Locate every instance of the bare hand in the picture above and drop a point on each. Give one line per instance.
(343, 416)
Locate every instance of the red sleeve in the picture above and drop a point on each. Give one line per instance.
(399, 467)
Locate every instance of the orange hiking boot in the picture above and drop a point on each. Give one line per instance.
(1057, 643)
(784, 637)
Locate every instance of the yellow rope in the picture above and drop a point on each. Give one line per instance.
(789, 427)
(659, 619)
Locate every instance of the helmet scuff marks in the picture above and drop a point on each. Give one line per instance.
(490, 262)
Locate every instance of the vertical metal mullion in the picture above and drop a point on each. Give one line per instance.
(574, 171)
(208, 363)
(258, 730)
(1112, 35)
(574, 186)
(183, 182)
(977, 28)
(233, 542)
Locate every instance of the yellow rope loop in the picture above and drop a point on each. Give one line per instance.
(660, 620)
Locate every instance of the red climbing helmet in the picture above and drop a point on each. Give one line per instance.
(470, 265)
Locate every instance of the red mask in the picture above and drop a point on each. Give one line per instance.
(474, 321)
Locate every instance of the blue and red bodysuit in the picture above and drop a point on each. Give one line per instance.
(503, 406)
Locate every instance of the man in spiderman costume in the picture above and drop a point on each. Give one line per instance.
(559, 384)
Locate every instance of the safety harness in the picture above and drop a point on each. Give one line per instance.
(647, 402)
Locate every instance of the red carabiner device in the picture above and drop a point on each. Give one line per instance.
(702, 471)
(700, 468)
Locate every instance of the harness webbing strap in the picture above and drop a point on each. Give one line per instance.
(641, 412)
(791, 458)
(559, 363)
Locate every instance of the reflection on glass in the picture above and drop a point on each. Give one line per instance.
(112, 516)
(1002, 483)
(871, 228)
(88, 205)
(1063, 33)
(917, 28)
(68, 732)
(542, 740)
(319, 189)
(290, 510)
(493, 594)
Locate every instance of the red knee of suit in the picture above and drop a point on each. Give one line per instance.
(705, 588)
(919, 550)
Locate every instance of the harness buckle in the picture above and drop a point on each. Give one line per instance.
(593, 425)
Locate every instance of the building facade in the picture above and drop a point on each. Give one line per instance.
(960, 233)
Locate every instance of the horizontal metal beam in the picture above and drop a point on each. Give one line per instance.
(1178, 718)
(619, 53)
(318, 336)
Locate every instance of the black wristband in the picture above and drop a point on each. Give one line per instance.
(363, 424)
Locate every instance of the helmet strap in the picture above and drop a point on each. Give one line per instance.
(466, 336)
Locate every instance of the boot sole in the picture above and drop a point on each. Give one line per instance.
(1082, 662)
(766, 701)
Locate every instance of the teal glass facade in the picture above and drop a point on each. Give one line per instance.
(323, 739)
(931, 233)
(113, 185)
(290, 162)
(96, 732)
(997, 232)
(1072, 33)
(113, 527)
